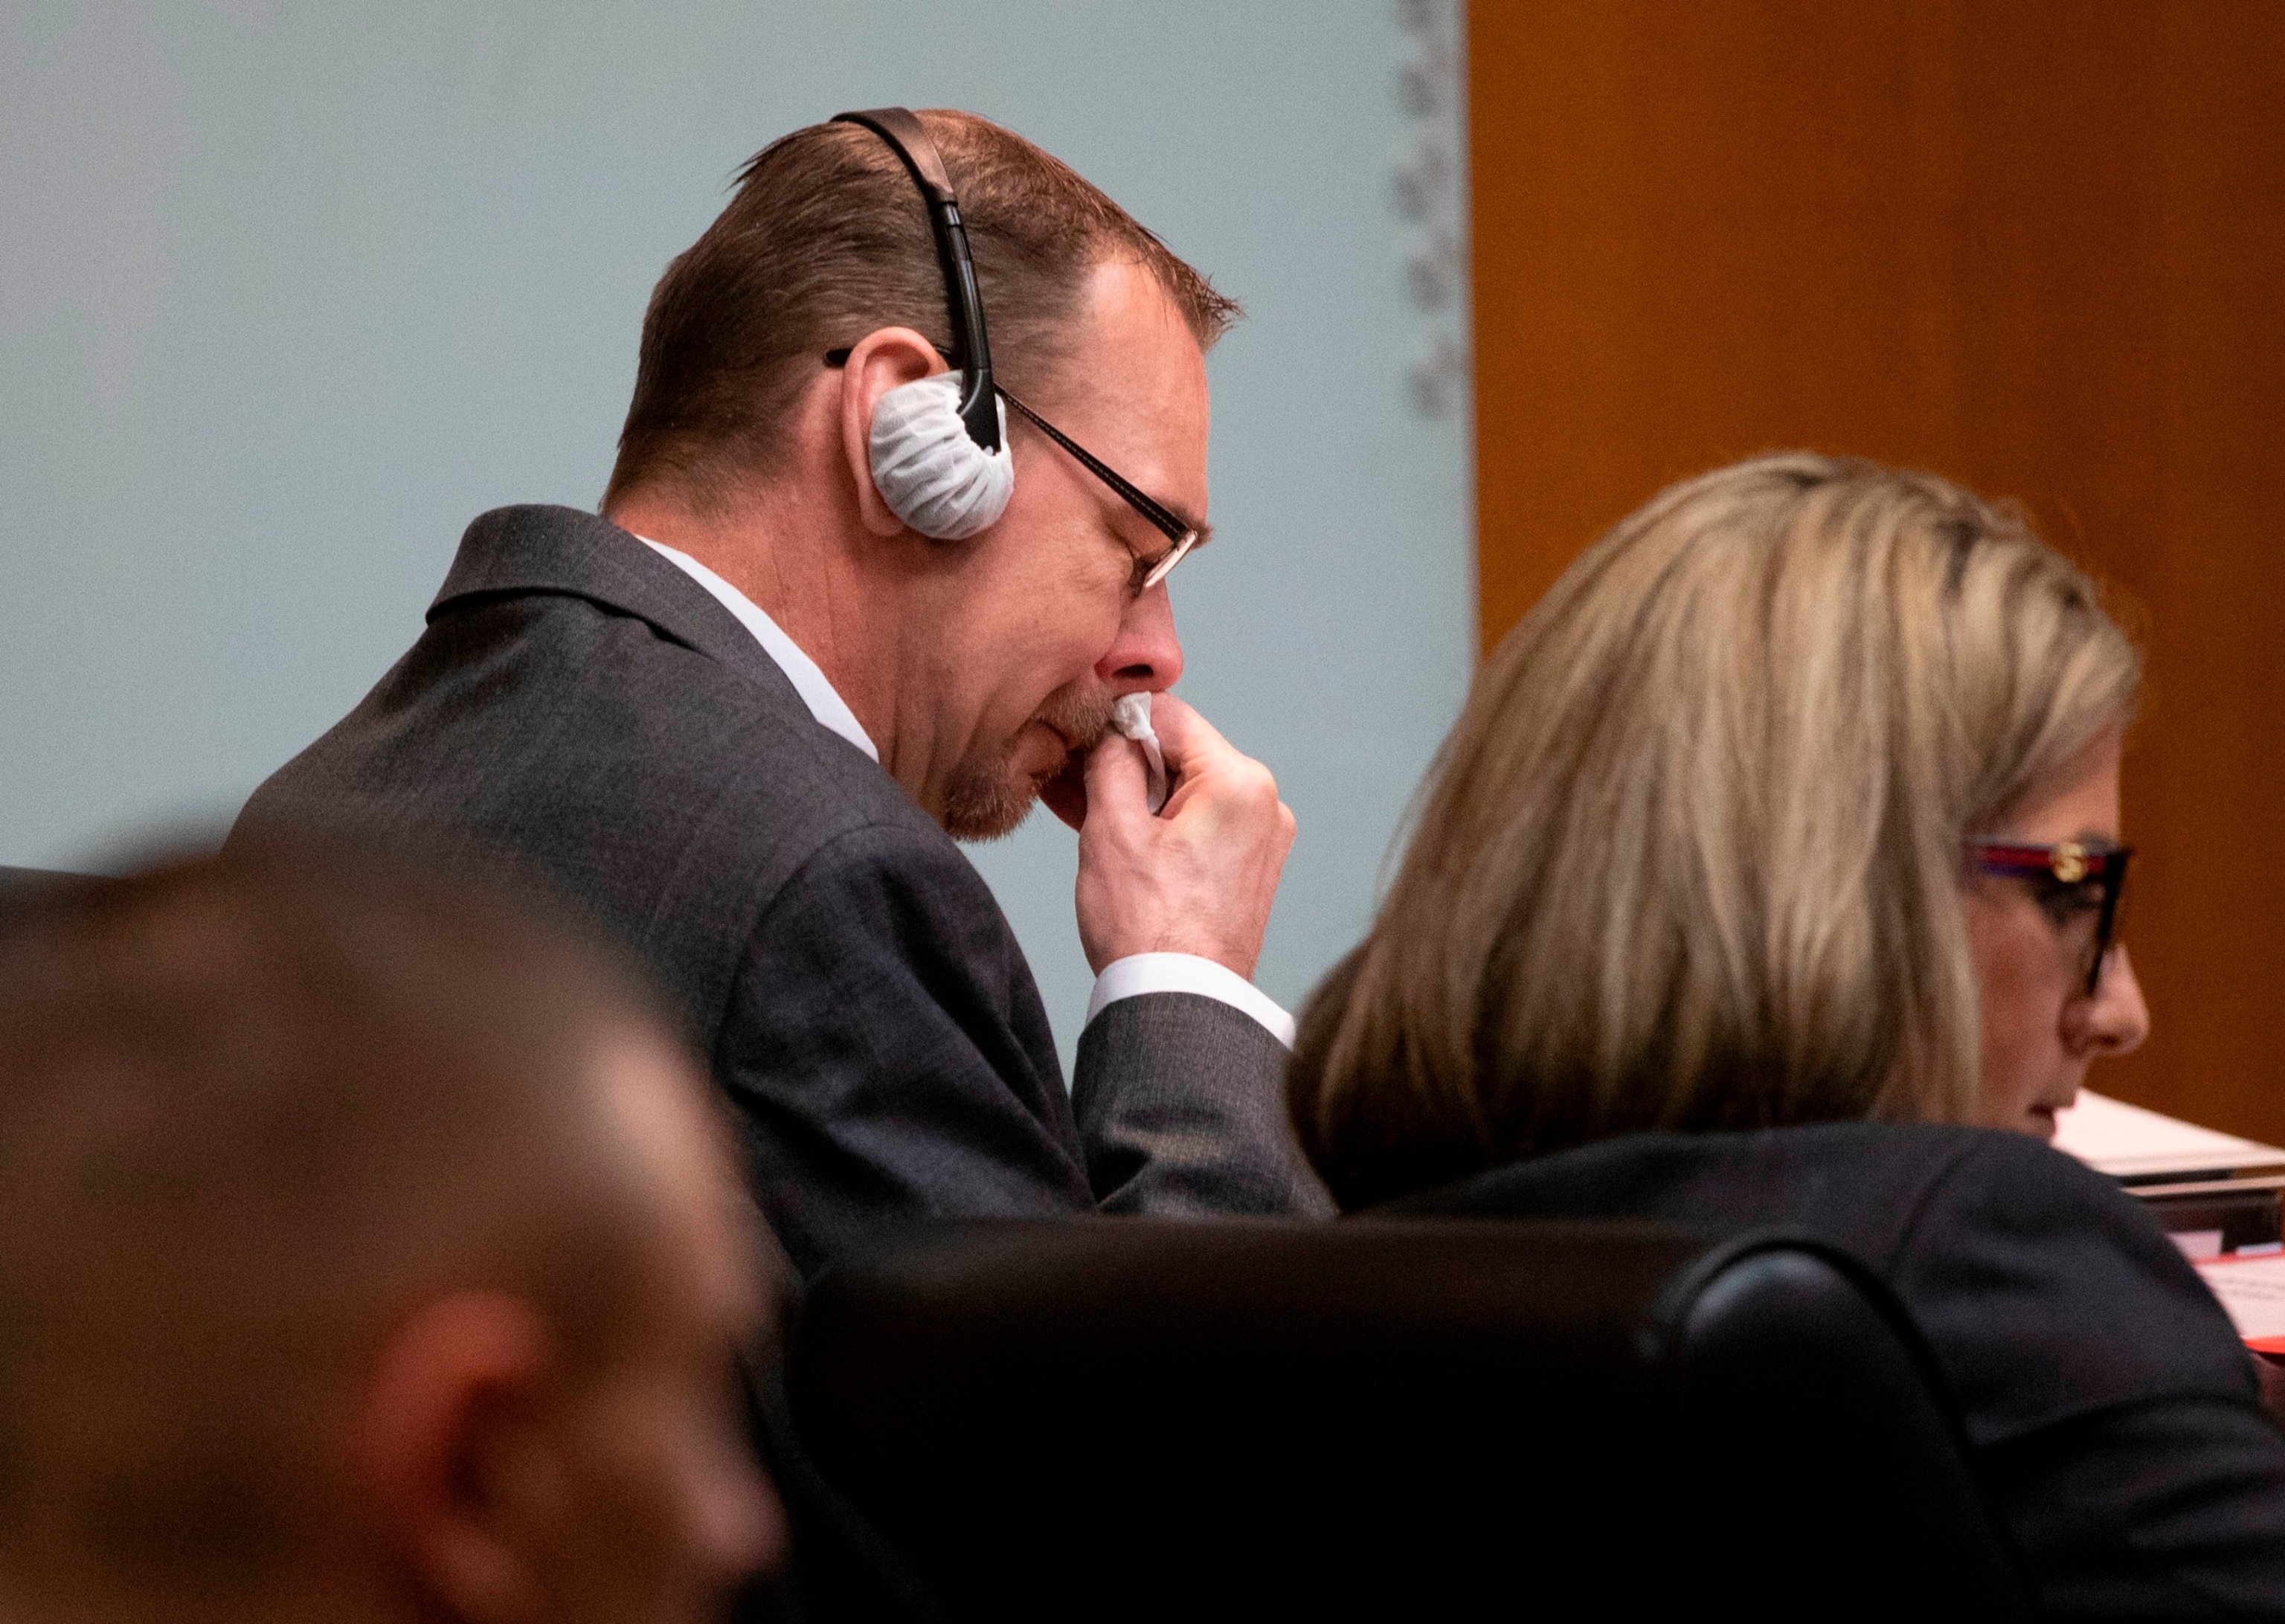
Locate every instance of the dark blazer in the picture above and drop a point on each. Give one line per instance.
(578, 702)
(2113, 1413)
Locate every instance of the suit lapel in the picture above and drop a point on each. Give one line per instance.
(512, 551)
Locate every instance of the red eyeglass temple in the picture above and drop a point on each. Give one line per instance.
(2067, 860)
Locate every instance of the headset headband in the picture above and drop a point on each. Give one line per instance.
(979, 404)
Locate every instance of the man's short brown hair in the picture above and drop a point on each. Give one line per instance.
(826, 240)
(251, 1105)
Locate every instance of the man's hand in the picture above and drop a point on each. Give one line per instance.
(1199, 877)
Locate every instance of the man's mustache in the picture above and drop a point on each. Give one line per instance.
(1081, 715)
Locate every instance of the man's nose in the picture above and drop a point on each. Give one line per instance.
(2116, 1018)
(1147, 655)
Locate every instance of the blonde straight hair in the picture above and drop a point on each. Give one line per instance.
(1690, 859)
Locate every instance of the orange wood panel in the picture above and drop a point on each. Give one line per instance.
(2038, 245)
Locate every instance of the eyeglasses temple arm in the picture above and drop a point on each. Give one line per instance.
(1169, 526)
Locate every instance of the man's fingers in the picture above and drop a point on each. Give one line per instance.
(1118, 783)
(1198, 879)
(1183, 734)
(1204, 765)
(1100, 778)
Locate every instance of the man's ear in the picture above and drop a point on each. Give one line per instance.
(452, 1443)
(881, 361)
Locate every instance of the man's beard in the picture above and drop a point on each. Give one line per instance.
(987, 800)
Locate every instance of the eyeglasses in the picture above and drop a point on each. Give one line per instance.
(1148, 571)
(2070, 879)
(1181, 537)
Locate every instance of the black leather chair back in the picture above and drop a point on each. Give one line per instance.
(1374, 1419)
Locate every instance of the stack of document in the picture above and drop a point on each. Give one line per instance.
(2253, 1291)
(2216, 1194)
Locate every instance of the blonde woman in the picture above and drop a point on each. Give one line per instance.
(1774, 861)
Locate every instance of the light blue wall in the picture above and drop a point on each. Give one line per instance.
(290, 291)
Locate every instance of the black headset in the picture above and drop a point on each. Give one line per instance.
(972, 351)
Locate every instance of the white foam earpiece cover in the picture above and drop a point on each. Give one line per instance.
(926, 468)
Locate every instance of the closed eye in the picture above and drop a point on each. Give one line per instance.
(2064, 904)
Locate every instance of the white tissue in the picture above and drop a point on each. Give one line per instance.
(930, 473)
(1130, 714)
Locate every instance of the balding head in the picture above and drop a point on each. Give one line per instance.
(310, 1173)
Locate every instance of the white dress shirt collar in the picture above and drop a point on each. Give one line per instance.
(830, 709)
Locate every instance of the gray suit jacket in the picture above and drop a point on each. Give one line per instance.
(579, 703)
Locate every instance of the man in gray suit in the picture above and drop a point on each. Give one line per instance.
(742, 714)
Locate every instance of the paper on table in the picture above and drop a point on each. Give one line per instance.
(2127, 1142)
(2252, 1289)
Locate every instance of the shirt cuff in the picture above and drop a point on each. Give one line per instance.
(1139, 973)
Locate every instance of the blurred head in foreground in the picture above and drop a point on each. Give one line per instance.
(366, 1252)
(1711, 844)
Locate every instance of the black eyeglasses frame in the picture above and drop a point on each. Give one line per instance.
(1148, 571)
(2066, 864)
